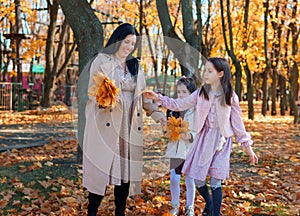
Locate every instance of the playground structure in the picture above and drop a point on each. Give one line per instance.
(13, 97)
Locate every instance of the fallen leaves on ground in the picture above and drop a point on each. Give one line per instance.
(269, 188)
(53, 115)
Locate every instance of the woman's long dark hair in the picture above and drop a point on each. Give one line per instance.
(115, 40)
(220, 64)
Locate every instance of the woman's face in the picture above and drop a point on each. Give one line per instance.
(127, 46)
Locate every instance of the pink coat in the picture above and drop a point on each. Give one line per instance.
(229, 117)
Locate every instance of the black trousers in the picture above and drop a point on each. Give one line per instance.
(121, 193)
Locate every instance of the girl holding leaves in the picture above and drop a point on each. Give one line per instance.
(179, 146)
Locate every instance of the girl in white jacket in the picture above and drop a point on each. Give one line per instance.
(178, 150)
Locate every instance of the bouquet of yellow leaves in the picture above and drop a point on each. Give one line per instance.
(175, 127)
(104, 90)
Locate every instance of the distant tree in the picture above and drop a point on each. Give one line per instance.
(56, 61)
(230, 47)
(245, 63)
(192, 35)
(267, 61)
(294, 73)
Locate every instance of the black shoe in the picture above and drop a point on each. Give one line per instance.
(206, 212)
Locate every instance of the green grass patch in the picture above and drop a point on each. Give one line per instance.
(15, 182)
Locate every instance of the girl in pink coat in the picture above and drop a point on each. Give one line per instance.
(217, 119)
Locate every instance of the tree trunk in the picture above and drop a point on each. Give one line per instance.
(88, 34)
(265, 98)
(274, 91)
(282, 99)
(249, 92)
(153, 57)
(294, 91)
(267, 62)
(245, 63)
(238, 75)
(208, 43)
(186, 53)
(230, 50)
(49, 78)
(294, 68)
(277, 24)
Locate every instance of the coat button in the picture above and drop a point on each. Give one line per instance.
(107, 124)
(138, 114)
(110, 110)
(139, 128)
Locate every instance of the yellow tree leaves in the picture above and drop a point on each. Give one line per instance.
(32, 26)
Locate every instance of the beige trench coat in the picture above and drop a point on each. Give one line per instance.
(102, 129)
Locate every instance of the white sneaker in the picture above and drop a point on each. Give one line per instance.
(175, 210)
(189, 211)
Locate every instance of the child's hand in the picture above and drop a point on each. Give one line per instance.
(252, 155)
(185, 136)
(151, 95)
(163, 122)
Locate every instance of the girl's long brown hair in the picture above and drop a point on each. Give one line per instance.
(220, 64)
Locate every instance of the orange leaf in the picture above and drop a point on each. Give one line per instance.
(174, 127)
(3, 204)
(294, 159)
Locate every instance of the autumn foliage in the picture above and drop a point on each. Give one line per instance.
(46, 180)
(175, 127)
(104, 90)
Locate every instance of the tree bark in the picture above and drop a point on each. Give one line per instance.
(294, 73)
(282, 87)
(54, 65)
(267, 62)
(49, 78)
(230, 50)
(186, 53)
(153, 57)
(246, 67)
(88, 34)
(276, 46)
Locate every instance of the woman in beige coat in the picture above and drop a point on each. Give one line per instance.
(113, 137)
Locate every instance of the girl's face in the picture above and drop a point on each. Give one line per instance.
(126, 47)
(211, 76)
(182, 91)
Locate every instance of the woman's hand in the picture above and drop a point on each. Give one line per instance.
(151, 95)
(252, 155)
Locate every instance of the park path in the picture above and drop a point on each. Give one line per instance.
(33, 128)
